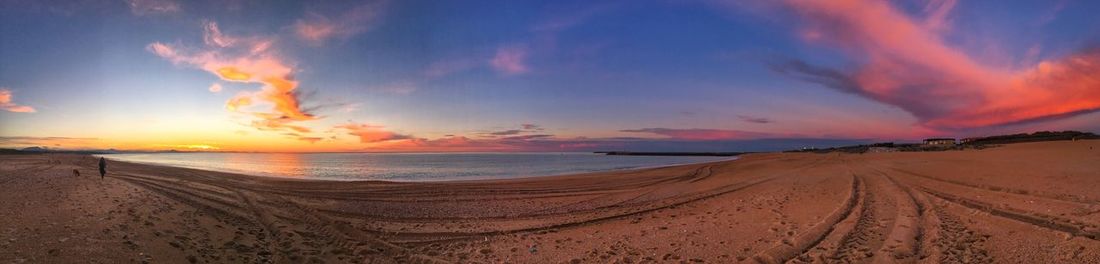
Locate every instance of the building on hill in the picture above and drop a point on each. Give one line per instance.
(940, 141)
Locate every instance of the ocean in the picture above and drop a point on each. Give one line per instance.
(407, 166)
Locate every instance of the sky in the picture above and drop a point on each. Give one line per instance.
(407, 76)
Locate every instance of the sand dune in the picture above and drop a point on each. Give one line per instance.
(1021, 203)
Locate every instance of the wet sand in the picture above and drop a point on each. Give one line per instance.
(1020, 203)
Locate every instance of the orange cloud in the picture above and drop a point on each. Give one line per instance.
(238, 101)
(246, 60)
(233, 74)
(269, 123)
(7, 105)
(905, 62)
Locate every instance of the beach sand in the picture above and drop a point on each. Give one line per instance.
(1019, 203)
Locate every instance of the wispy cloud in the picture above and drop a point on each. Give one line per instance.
(700, 133)
(246, 60)
(570, 18)
(446, 67)
(318, 28)
(187, 146)
(510, 60)
(908, 64)
(215, 88)
(368, 133)
(213, 36)
(753, 119)
(523, 129)
(504, 132)
(7, 103)
(153, 7)
(514, 58)
(532, 127)
(66, 142)
(311, 140)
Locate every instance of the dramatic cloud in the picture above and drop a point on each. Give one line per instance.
(905, 62)
(316, 28)
(153, 7)
(699, 133)
(371, 133)
(7, 105)
(246, 60)
(510, 60)
(753, 119)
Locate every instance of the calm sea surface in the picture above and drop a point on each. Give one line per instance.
(407, 166)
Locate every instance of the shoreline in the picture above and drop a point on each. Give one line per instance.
(1031, 202)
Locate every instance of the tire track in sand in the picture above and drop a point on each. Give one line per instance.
(862, 236)
(1053, 223)
(788, 250)
(355, 241)
(879, 223)
(1021, 192)
(944, 238)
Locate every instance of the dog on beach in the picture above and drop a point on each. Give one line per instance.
(76, 173)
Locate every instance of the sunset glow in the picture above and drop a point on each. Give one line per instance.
(552, 76)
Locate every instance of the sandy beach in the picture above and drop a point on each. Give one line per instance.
(1019, 203)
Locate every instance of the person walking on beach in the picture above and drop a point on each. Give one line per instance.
(102, 167)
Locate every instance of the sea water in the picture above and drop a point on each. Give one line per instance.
(407, 166)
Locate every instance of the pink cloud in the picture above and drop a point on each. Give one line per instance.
(510, 60)
(906, 63)
(371, 133)
(938, 14)
(316, 28)
(7, 105)
(213, 36)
